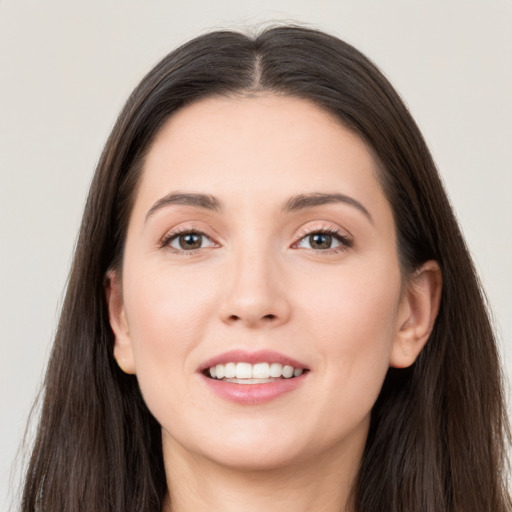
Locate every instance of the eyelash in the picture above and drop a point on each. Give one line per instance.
(344, 240)
(166, 241)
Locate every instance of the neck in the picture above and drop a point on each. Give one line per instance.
(198, 484)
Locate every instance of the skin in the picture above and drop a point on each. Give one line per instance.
(257, 283)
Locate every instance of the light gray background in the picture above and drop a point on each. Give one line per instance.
(67, 67)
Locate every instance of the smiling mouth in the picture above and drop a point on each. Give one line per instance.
(247, 373)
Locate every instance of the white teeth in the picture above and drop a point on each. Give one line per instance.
(243, 370)
(276, 370)
(253, 374)
(261, 371)
(229, 370)
(287, 371)
(220, 371)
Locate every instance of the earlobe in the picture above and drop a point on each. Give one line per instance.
(123, 350)
(417, 315)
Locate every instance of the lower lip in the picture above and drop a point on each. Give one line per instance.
(253, 394)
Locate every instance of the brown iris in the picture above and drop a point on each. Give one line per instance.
(189, 241)
(320, 241)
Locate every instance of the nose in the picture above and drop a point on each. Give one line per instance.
(255, 294)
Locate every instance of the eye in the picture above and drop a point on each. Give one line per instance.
(188, 241)
(324, 240)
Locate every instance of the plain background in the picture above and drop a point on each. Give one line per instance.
(67, 67)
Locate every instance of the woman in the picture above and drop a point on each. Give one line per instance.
(271, 304)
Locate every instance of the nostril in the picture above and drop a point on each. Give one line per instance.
(270, 316)
(253, 318)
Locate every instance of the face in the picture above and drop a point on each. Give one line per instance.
(260, 240)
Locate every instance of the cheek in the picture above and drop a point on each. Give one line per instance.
(354, 324)
(357, 303)
(167, 316)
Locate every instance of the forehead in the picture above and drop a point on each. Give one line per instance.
(261, 148)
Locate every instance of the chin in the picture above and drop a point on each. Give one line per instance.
(256, 449)
(255, 458)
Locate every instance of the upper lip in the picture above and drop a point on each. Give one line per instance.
(244, 356)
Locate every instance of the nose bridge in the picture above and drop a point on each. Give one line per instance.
(255, 294)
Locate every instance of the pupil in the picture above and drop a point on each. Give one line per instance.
(190, 241)
(320, 241)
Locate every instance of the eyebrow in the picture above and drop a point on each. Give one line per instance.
(303, 201)
(205, 201)
(295, 203)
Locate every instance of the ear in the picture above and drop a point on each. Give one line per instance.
(417, 313)
(123, 349)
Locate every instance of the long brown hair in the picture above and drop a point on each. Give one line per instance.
(438, 431)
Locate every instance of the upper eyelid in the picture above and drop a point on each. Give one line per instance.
(190, 227)
(310, 228)
(175, 232)
(345, 239)
(328, 228)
